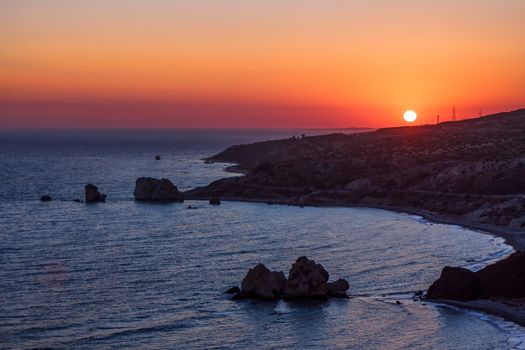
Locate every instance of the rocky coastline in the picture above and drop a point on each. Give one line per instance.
(469, 173)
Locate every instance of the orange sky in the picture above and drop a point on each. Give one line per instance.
(225, 63)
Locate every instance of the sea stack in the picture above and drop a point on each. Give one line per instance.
(306, 280)
(93, 195)
(151, 189)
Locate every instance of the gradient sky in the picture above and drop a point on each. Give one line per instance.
(225, 63)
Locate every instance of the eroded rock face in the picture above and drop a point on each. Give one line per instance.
(455, 283)
(306, 280)
(505, 278)
(151, 189)
(93, 195)
(260, 282)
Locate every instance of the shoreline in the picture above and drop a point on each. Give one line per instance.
(512, 237)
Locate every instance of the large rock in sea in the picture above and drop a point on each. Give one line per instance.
(262, 283)
(455, 283)
(93, 195)
(151, 189)
(505, 278)
(306, 280)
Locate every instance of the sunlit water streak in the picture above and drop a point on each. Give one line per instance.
(152, 276)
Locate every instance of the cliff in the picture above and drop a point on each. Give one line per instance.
(472, 169)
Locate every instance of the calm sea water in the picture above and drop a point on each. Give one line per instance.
(151, 276)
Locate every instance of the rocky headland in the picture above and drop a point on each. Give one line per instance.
(470, 171)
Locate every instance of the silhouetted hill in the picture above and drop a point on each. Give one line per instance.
(474, 169)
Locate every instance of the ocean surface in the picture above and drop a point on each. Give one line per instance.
(133, 275)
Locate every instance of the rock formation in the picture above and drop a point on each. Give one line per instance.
(150, 189)
(503, 279)
(93, 195)
(157, 157)
(455, 283)
(262, 283)
(45, 198)
(306, 279)
(215, 201)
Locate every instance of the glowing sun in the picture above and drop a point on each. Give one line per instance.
(410, 116)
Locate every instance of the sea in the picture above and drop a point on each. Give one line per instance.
(129, 275)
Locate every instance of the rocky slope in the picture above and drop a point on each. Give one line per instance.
(472, 169)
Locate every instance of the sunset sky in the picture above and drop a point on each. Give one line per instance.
(225, 63)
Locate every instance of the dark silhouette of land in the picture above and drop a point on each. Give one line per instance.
(470, 172)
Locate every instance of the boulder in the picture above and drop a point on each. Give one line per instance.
(233, 290)
(262, 283)
(150, 189)
(455, 283)
(338, 288)
(157, 157)
(45, 198)
(505, 278)
(215, 201)
(306, 280)
(93, 195)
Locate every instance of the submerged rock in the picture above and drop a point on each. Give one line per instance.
(233, 290)
(45, 198)
(505, 278)
(215, 201)
(157, 157)
(262, 283)
(151, 189)
(455, 283)
(93, 195)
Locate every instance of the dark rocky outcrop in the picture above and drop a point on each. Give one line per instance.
(157, 157)
(93, 195)
(306, 280)
(215, 201)
(262, 283)
(233, 290)
(45, 198)
(455, 283)
(151, 189)
(505, 278)
(338, 288)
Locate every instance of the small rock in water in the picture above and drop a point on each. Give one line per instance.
(215, 201)
(157, 157)
(398, 302)
(233, 290)
(191, 207)
(45, 198)
(77, 200)
(93, 195)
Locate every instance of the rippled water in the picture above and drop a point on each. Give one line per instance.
(152, 276)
